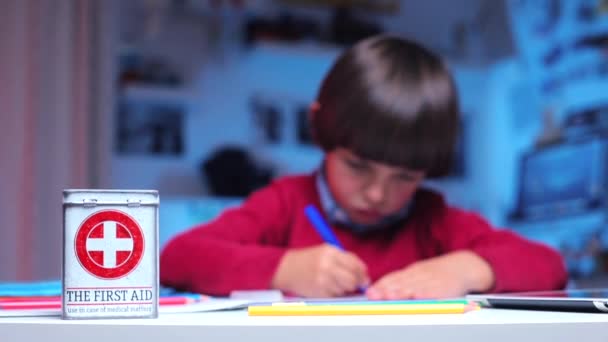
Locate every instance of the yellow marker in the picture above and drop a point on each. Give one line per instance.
(375, 309)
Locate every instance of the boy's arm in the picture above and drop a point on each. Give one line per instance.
(518, 264)
(241, 249)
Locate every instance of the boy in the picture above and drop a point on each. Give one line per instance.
(386, 117)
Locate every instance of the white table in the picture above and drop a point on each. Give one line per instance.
(486, 325)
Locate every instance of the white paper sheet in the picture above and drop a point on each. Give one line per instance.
(213, 304)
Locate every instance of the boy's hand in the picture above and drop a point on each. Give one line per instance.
(320, 271)
(450, 275)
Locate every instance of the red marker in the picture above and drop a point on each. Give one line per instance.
(33, 305)
(41, 303)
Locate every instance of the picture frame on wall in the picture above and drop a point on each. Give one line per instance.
(267, 117)
(281, 119)
(150, 129)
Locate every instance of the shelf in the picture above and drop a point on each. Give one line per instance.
(158, 94)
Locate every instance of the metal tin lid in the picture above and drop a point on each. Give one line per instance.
(103, 197)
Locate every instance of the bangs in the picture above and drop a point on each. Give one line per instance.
(417, 142)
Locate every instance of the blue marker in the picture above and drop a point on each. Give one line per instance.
(321, 226)
(324, 230)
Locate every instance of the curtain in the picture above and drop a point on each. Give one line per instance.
(53, 95)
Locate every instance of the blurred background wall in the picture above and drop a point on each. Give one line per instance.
(207, 100)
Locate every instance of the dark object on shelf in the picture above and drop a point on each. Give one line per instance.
(232, 172)
(347, 30)
(589, 122)
(344, 28)
(130, 68)
(376, 6)
(284, 28)
(160, 73)
(136, 69)
(598, 41)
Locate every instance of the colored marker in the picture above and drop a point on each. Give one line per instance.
(55, 302)
(301, 309)
(321, 226)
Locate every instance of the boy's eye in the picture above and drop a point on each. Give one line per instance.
(405, 177)
(356, 165)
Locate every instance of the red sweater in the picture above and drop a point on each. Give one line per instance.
(242, 248)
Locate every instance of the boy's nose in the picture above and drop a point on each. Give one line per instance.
(375, 193)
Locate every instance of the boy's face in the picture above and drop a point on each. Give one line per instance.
(368, 191)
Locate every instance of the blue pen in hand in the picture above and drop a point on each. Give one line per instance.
(324, 230)
(321, 226)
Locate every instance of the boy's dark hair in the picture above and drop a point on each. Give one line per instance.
(392, 101)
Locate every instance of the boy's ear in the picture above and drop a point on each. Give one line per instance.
(312, 112)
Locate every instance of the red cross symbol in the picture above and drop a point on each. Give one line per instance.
(109, 244)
